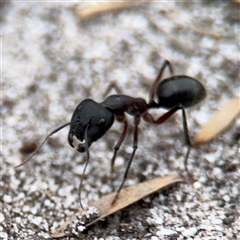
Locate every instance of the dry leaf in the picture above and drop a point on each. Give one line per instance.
(103, 206)
(219, 121)
(88, 10)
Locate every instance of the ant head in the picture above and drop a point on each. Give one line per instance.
(91, 122)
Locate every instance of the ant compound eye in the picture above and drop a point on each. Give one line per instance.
(101, 122)
(79, 107)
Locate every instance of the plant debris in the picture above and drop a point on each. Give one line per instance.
(89, 10)
(103, 206)
(28, 147)
(220, 121)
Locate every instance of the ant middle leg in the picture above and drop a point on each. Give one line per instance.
(135, 145)
(122, 119)
(157, 80)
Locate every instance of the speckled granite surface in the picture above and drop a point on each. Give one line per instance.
(52, 60)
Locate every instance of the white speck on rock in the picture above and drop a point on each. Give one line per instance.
(197, 185)
(48, 203)
(165, 231)
(7, 198)
(154, 238)
(217, 172)
(211, 157)
(25, 208)
(81, 228)
(37, 220)
(3, 235)
(189, 232)
(18, 220)
(1, 217)
(226, 198)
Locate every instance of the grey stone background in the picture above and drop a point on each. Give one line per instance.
(52, 59)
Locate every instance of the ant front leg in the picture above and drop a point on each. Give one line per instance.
(158, 79)
(123, 120)
(135, 145)
(148, 118)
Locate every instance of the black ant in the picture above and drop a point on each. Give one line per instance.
(91, 120)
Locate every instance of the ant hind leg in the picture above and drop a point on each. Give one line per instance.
(148, 118)
(187, 140)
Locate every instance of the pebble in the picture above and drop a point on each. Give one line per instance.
(189, 232)
(165, 231)
(1, 217)
(3, 235)
(197, 185)
(7, 198)
(226, 198)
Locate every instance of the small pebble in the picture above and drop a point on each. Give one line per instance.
(1, 217)
(7, 198)
(3, 235)
(189, 232)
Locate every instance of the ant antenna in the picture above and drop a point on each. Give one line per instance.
(49, 135)
(85, 167)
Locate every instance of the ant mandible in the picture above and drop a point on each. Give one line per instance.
(91, 120)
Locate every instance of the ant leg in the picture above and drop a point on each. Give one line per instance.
(123, 120)
(111, 86)
(135, 145)
(148, 118)
(155, 83)
(187, 139)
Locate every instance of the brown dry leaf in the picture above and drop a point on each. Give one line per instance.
(126, 197)
(219, 121)
(88, 10)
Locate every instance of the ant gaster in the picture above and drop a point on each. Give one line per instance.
(91, 120)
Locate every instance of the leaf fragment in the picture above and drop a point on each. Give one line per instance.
(221, 120)
(105, 207)
(88, 10)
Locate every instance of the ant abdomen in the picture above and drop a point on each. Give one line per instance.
(180, 90)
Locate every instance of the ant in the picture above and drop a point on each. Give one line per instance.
(91, 120)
